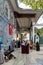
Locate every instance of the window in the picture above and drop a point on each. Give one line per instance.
(7, 10)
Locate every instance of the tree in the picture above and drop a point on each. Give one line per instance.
(40, 31)
(35, 4)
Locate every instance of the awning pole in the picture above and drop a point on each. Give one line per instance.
(33, 34)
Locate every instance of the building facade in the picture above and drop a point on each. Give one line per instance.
(6, 23)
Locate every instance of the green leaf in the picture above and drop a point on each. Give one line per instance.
(34, 4)
(40, 31)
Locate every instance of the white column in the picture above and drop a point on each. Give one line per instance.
(33, 34)
(33, 23)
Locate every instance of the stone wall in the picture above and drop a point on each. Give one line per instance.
(4, 21)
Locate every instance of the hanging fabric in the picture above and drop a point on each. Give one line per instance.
(10, 29)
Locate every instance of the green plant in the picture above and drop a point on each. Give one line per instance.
(40, 31)
(35, 4)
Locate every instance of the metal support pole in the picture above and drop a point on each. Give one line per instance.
(33, 34)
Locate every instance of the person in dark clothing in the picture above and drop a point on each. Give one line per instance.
(37, 47)
(27, 47)
(18, 44)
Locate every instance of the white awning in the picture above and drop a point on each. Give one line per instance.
(39, 23)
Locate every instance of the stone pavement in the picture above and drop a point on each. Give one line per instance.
(33, 58)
